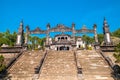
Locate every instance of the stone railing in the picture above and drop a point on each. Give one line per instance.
(4, 73)
(13, 60)
(38, 68)
(109, 61)
(11, 49)
(108, 48)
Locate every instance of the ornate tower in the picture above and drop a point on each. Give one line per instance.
(106, 32)
(20, 37)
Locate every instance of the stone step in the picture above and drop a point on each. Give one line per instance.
(93, 66)
(26, 66)
(59, 65)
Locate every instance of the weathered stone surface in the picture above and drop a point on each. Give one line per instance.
(59, 65)
(24, 68)
(8, 57)
(93, 65)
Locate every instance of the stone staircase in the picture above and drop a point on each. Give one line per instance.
(93, 65)
(59, 65)
(24, 68)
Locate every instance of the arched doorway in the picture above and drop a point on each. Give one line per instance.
(67, 48)
(64, 48)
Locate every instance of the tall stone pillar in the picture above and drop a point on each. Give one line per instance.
(107, 39)
(47, 34)
(20, 35)
(73, 31)
(27, 34)
(96, 37)
(95, 33)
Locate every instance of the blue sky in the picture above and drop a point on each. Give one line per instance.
(40, 12)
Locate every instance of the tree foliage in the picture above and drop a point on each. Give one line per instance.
(2, 65)
(117, 53)
(88, 39)
(117, 49)
(116, 33)
(8, 38)
(35, 41)
(100, 38)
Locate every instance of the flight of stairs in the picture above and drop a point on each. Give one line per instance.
(24, 68)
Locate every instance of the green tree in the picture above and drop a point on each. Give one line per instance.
(1, 35)
(14, 37)
(31, 42)
(117, 49)
(3, 39)
(7, 38)
(7, 34)
(2, 65)
(100, 38)
(34, 41)
(87, 39)
(116, 33)
(42, 41)
(117, 53)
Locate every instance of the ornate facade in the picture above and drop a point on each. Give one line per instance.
(62, 41)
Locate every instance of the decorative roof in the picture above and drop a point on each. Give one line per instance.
(37, 30)
(60, 28)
